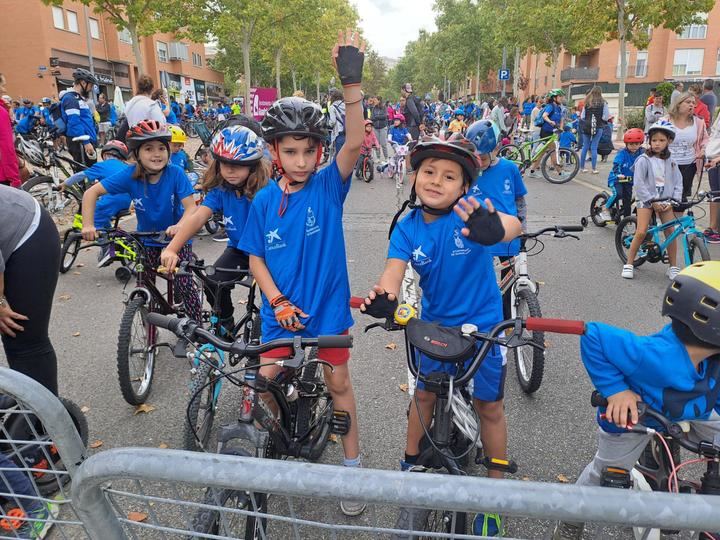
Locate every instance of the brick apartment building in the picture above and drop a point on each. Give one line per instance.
(44, 44)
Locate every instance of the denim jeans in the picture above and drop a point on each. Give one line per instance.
(592, 144)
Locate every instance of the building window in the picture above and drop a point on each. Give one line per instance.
(94, 28)
(695, 31)
(58, 18)
(641, 64)
(124, 35)
(72, 22)
(717, 63)
(688, 62)
(627, 64)
(196, 59)
(162, 51)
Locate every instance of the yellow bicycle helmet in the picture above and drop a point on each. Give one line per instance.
(178, 135)
(693, 298)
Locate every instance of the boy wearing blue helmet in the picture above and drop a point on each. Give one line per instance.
(458, 125)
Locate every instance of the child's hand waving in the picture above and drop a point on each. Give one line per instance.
(483, 225)
(619, 405)
(348, 57)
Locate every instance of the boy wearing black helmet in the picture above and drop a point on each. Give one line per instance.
(294, 233)
(446, 240)
(675, 371)
(78, 117)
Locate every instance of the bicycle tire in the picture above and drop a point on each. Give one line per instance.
(420, 519)
(69, 251)
(597, 205)
(207, 521)
(513, 153)
(204, 401)
(564, 154)
(368, 171)
(622, 236)
(136, 307)
(44, 185)
(697, 245)
(529, 377)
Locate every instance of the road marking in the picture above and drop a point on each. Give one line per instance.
(588, 185)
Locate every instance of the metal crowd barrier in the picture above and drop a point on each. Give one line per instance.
(149, 493)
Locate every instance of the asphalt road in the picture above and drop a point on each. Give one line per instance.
(551, 434)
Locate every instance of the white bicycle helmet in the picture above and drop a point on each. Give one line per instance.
(664, 126)
(30, 150)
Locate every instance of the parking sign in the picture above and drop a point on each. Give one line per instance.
(504, 74)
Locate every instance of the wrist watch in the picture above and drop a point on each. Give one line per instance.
(3, 301)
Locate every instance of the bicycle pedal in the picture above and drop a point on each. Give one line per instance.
(340, 423)
(496, 464)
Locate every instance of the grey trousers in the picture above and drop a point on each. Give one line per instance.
(623, 449)
(381, 135)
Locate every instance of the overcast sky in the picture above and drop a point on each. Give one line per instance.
(390, 24)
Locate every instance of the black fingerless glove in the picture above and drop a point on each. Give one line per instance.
(349, 64)
(485, 228)
(382, 307)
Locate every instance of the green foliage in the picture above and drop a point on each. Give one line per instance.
(635, 119)
(665, 89)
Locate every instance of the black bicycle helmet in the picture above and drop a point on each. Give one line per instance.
(81, 74)
(457, 149)
(147, 130)
(294, 116)
(116, 148)
(693, 298)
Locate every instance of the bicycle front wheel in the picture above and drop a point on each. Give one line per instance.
(597, 205)
(529, 360)
(200, 414)
(368, 170)
(136, 352)
(514, 153)
(624, 235)
(564, 170)
(70, 250)
(417, 520)
(698, 250)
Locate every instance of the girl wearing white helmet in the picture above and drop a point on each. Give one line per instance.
(657, 176)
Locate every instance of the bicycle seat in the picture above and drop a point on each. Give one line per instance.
(122, 214)
(81, 138)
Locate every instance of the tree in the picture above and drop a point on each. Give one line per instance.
(375, 72)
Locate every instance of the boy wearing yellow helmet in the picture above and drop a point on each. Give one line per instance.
(178, 156)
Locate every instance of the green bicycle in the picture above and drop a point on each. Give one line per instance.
(558, 165)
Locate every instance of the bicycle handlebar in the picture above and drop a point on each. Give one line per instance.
(556, 229)
(558, 326)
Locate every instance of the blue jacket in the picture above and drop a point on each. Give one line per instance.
(78, 116)
(623, 163)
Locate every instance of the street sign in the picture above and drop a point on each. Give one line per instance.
(504, 74)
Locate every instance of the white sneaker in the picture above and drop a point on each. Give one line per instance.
(352, 508)
(672, 272)
(533, 174)
(584, 170)
(628, 271)
(604, 215)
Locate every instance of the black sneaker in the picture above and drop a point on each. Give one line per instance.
(220, 236)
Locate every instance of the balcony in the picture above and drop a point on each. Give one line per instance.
(579, 74)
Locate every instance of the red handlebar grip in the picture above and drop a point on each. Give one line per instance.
(559, 326)
(356, 302)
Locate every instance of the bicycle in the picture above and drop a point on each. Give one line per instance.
(454, 430)
(529, 360)
(207, 381)
(616, 210)
(301, 428)
(653, 248)
(396, 164)
(660, 462)
(365, 167)
(558, 166)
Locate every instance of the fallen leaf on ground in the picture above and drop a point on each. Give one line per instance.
(76, 334)
(64, 297)
(526, 478)
(138, 517)
(562, 478)
(80, 265)
(96, 444)
(143, 408)
(391, 346)
(162, 445)
(243, 302)
(333, 438)
(547, 344)
(403, 387)
(541, 283)
(77, 273)
(84, 409)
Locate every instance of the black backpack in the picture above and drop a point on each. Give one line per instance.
(56, 114)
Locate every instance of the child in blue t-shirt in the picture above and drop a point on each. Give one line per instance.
(294, 235)
(567, 138)
(178, 155)
(620, 179)
(159, 191)
(398, 133)
(451, 253)
(231, 182)
(675, 371)
(501, 182)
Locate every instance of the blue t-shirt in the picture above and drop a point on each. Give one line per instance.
(171, 118)
(233, 208)
(181, 159)
(157, 206)
(554, 113)
(106, 169)
(567, 139)
(502, 183)
(304, 251)
(656, 367)
(399, 135)
(457, 277)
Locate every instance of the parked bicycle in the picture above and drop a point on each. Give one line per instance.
(301, 427)
(658, 466)
(692, 242)
(558, 165)
(454, 430)
(529, 360)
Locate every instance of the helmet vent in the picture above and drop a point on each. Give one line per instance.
(709, 302)
(675, 285)
(669, 301)
(700, 317)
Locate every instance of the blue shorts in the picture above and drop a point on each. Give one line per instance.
(489, 380)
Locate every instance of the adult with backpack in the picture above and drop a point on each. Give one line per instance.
(412, 111)
(594, 115)
(77, 117)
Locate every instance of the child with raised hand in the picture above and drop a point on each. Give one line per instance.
(675, 372)
(231, 182)
(656, 176)
(178, 155)
(620, 179)
(450, 252)
(160, 191)
(294, 234)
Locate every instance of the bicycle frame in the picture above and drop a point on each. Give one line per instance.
(685, 226)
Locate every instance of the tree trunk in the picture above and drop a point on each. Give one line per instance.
(246, 43)
(137, 52)
(516, 72)
(535, 76)
(278, 53)
(555, 56)
(294, 79)
(622, 37)
(317, 85)
(477, 79)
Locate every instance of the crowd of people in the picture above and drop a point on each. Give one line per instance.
(469, 206)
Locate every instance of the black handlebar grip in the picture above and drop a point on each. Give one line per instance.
(335, 342)
(597, 399)
(571, 228)
(163, 321)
